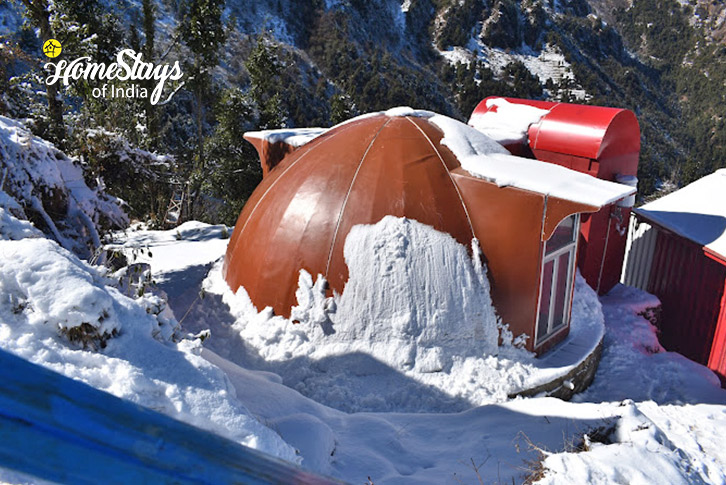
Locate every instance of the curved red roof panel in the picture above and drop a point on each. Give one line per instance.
(579, 130)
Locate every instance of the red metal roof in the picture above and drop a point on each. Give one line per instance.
(579, 130)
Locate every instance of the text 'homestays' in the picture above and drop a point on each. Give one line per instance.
(129, 66)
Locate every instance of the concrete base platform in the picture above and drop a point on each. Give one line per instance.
(570, 367)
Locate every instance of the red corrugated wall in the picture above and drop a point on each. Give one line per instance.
(717, 360)
(691, 286)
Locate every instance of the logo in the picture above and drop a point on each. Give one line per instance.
(52, 48)
(129, 67)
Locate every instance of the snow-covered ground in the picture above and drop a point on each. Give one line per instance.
(59, 312)
(650, 416)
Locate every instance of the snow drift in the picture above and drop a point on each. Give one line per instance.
(55, 309)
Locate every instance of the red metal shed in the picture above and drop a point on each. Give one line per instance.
(677, 251)
(396, 163)
(600, 141)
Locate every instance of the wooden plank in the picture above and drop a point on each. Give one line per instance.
(58, 429)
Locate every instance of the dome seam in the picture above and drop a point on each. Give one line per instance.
(347, 196)
(448, 173)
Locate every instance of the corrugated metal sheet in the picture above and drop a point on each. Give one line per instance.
(639, 251)
(60, 430)
(717, 360)
(691, 288)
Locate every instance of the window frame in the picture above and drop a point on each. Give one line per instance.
(571, 249)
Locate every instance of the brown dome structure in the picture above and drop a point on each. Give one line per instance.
(379, 165)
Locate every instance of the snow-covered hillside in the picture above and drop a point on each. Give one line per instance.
(40, 183)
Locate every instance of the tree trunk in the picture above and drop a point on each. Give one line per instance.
(197, 186)
(148, 51)
(38, 11)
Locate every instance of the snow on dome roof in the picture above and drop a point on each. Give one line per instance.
(408, 111)
(696, 212)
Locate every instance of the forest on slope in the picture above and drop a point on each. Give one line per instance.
(294, 63)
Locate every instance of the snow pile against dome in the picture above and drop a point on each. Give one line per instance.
(61, 313)
(414, 329)
(419, 288)
(413, 297)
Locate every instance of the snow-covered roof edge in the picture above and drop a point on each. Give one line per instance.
(696, 212)
(295, 137)
(484, 158)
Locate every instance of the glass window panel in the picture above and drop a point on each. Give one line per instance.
(563, 235)
(560, 310)
(544, 302)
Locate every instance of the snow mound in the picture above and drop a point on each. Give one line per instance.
(414, 329)
(12, 228)
(56, 309)
(647, 441)
(35, 269)
(48, 188)
(506, 122)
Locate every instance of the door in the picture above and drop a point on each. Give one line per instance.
(557, 278)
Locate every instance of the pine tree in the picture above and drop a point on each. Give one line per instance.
(265, 67)
(341, 108)
(235, 167)
(202, 30)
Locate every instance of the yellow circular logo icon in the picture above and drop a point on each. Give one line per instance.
(52, 48)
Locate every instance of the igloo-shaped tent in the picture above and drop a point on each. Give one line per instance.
(409, 164)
